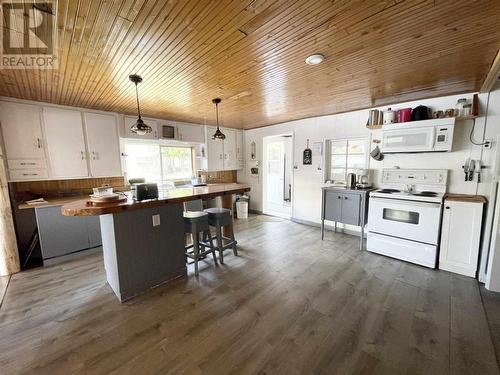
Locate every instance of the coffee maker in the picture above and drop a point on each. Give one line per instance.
(363, 179)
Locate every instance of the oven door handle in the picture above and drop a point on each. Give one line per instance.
(406, 202)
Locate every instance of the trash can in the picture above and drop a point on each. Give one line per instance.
(242, 202)
(242, 209)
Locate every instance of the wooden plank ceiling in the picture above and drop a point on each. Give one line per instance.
(251, 53)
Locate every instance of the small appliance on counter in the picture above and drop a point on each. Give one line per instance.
(350, 182)
(363, 180)
(145, 191)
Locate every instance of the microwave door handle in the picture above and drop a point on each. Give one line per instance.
(432, 142)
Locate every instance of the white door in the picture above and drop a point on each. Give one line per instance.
(131, 120)
(230, 157)
(103, 144)
(275, 172)
(215, 151)
(191, 133)
(22, 132)
(65, 143)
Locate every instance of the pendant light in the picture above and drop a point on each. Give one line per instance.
(140, 128)
(218, 134)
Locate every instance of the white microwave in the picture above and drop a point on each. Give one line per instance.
(418, 136)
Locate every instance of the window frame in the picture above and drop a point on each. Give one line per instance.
(329, 152)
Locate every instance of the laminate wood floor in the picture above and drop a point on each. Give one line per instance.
(289, 304)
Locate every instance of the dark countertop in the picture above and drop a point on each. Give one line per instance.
(355, 190)
(81, 207)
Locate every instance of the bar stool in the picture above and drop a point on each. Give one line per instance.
(194, 223)
(217, 217)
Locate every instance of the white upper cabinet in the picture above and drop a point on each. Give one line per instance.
(131, 120)
(239, 149)
(230, 156)
(103, 145)
(224, 154)
(190, 133)
(215, 151)
(67, 153)
(22, 132)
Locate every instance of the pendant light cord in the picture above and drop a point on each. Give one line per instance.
(217, 114)
(137, 98)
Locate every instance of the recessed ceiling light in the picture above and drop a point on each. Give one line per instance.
(315, 59)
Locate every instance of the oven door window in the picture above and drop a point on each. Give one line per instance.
(401, 216)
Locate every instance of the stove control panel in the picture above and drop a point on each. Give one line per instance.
(415, 176)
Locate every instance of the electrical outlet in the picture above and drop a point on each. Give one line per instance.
(156, 220)
(488, 144)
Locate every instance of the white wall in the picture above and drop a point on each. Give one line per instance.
(308, 181)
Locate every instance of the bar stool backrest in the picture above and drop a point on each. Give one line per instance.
(196, 205)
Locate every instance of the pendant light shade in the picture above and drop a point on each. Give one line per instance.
(139, 128)
(218, 134)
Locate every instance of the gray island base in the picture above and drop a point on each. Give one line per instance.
(139, 256)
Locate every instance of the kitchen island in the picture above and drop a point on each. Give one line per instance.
(143, 242)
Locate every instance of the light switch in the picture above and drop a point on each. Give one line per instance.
(156, 220)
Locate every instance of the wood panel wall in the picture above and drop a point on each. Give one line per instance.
(219, 176)
(58, 188)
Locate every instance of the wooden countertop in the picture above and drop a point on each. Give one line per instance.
(465, 198)
(82, 208)
(52, 202)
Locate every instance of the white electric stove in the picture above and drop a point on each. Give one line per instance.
(404, 216)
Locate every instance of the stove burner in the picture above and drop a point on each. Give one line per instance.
(426, 194)
(389, 191)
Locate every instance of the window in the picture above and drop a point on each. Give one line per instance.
(158, 163)
(143, 161)
(345, 156)
(176, 162)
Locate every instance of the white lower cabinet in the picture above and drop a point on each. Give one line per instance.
(460, 237)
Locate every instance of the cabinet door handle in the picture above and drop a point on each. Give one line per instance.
(220, 156)
(94, 155)
(339, 197)
(346, 198)
(39, 145)
(447, 207)
(83, 155)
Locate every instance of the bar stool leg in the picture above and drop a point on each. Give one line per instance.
(220, 245)
(211, 242)
(235, 251)
(195, 251)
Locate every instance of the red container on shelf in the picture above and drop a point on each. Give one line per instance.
(404, 115)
